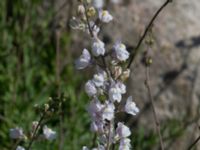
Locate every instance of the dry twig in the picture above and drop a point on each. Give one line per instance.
(136, 50)
(153, 107)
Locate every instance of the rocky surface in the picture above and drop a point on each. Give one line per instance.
(175, 73)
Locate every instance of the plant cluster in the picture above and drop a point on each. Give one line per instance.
(107, 87)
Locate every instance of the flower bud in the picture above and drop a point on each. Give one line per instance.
(46, 107)
(16, 133)
(88, 1)
(117, 71)
(34, 125)
(149, 61)
(81, 10)
(125, 75)
(91, 12)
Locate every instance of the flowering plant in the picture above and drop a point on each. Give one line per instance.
(107, 87)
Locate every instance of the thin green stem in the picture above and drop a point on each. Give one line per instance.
(35, 131)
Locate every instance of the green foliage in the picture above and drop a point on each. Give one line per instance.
(143, 139)
(28, 75)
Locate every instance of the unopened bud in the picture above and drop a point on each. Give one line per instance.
(25, 138)
(81, 10)
(117, 71)
(149, 61)
(91, 12)
(34, 125)
(46, 107)
(125, 75)
(88, 1)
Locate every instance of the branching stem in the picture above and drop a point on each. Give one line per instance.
(194, 143)
(136, 50)
(157, 123)
(36, 130)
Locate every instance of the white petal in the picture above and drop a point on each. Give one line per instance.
(84, 60)
(49, 134)
(131, 107)
(16, 133)
(98, 79)
(121, 87)
(121, 53)
(98, 48)
(105, 16)
(94, 109)
(90, 88)
(108, 111)
(122, 130)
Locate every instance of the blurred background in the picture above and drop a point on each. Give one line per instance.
(37, 53)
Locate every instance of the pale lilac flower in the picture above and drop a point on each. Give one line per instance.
(16, 133)
(108, 111)
(105, 16)
(122, 131)
(98, 48)
(122, 87)
(131, 107)
(125, 144)
(94, 126)
(114, 94)
(84, 60)
(97, 126)
(101, 71)
(94, 109)
(90, 88)
(20, 148)
(98, 4)
(49, 134)
(116, 91)
(120, 51)
(98, 79)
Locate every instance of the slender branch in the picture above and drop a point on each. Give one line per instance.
(35, 131)
(16, 144)
(136, 50)
(194, 143)
(157, 123)
(58, 61)
(87, 20)
(58, 82)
